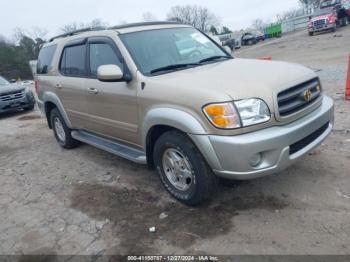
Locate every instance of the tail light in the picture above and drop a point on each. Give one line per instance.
(36, 86)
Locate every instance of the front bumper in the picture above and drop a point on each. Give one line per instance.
(279, 146)
(27, 101)
(322, 28)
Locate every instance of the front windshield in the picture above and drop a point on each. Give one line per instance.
(3, 81)
(154, 49)
(328, 3)
(323, 12)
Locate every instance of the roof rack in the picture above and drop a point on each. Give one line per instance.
(144, 24)
(89, 29)
(79, 31)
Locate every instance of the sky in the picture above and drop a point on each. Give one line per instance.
(53, 14)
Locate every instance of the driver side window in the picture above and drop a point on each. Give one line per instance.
(102, 54)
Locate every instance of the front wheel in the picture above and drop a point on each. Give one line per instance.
(182, 169)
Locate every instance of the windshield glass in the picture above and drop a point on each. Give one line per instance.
(323, 12)
(3, 81)
(328, 3)
(156, 49)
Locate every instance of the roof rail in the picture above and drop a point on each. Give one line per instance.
(79, 31)
(144, 24)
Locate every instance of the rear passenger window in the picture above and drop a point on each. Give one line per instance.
(73, 61)
(45, 59)
(102, 54)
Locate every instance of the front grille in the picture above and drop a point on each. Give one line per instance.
(320, 23)
(298, 97)
(13, 95)
(307, 140)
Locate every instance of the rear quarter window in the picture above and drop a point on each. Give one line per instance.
(45, 59)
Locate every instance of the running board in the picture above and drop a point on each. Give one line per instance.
(110, 146)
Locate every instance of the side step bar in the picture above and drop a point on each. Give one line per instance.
(110, 146)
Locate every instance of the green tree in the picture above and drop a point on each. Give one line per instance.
(225, 30)
(14, 58)
(213, 30)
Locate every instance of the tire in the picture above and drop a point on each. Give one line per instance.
(61, 131)
(311, 33)
(199, 182)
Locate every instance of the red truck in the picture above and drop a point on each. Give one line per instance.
(330, 15)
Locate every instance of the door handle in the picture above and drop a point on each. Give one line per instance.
(92, 91)
(59, 86)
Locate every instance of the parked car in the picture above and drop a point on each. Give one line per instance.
(259, 36)
(27, 83)
(248, 39)
(230, 43)
(131, 91)
(238, 44)
(15, 97)
(323, 20)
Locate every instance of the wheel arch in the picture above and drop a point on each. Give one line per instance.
(161, 120)
(51, 101)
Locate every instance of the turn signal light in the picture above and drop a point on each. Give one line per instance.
(222, 115)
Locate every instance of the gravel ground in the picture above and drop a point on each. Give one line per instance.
(86, 201)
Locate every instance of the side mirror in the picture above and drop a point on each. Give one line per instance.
(109, 73)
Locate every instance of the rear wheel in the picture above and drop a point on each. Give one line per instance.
(311, 33)
(61, 131)
(182, 169)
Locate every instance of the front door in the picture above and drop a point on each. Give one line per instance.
(112, 106)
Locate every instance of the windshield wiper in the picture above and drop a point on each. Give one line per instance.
(212, 58)
(172, 67)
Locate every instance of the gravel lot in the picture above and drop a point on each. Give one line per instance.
(86, 201)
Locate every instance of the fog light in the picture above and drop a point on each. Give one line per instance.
(255, 160)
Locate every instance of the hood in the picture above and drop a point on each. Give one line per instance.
(237, 79)
(11, 88)
(320, 17)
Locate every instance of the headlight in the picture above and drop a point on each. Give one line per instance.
(223, 115)
(237, 114)
(253, 111)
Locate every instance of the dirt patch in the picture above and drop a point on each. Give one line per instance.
(30, 117)
(133, 212)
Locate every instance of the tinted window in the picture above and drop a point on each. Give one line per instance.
(73, 61)
(102, 54)
(45, 59)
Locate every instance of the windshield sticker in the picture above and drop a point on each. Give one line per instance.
(200, 38)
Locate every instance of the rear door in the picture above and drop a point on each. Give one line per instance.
(71, 85)
(112, 106)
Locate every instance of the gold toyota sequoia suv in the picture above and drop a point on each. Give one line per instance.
(167, 95)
